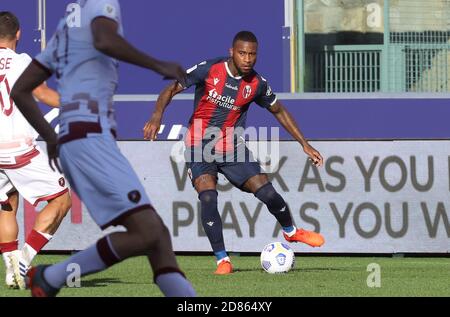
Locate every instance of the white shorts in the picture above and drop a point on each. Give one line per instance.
(35, 181)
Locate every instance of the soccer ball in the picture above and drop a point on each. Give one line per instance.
(277, 257)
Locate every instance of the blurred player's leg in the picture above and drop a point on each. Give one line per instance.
(166, 273)
(8, 235)
(146, 234)
(114, 196)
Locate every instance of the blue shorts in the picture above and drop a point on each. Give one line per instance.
(236, 171)
(103, 179)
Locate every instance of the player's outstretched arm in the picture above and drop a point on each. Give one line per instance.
(46, 95)
(152, 126)
(288, 122)
(108, 41)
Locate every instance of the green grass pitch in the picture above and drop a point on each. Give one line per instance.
(312, 276)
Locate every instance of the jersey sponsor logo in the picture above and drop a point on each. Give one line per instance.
(231, 87)
(247, 91)
(221, 101)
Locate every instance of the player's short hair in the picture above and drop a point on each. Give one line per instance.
(9, 25)
(245, 36)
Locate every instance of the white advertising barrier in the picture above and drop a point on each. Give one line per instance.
(369, 197)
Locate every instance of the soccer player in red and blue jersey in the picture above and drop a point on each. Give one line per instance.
(225, 88)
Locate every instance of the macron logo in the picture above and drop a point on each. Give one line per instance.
(216, 80)
(210, 223)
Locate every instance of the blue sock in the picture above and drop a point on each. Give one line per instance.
(88, 261)
(288, 229)
(211, 222)
(97, 257)
(174, 284)
(220, 255)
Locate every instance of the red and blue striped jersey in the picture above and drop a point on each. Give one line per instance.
(222, 100)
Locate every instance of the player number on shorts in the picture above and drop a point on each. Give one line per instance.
(6, 109)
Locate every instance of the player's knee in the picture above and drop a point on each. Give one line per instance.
(150, 238)
(269, 196)
(208, 197)
(150, 231)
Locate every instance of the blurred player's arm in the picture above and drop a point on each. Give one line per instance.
(108, 41)
(152, 126)
(46, 95)
(22, 94)
(288, 122)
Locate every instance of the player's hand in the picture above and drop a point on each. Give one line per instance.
(173, 71)
(52, 151)
(151, 128)
(314, 155)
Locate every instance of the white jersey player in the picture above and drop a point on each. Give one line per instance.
(24, 166)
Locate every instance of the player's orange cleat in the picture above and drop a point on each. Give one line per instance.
(224, 267)
(311, 238)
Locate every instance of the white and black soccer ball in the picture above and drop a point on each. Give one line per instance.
(277, 257)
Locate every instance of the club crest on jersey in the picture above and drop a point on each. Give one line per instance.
(134, 196)
(109, 11)
(247, 91)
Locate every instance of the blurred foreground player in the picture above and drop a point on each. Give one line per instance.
(225, 88)
(83, 59)
(24, 166)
